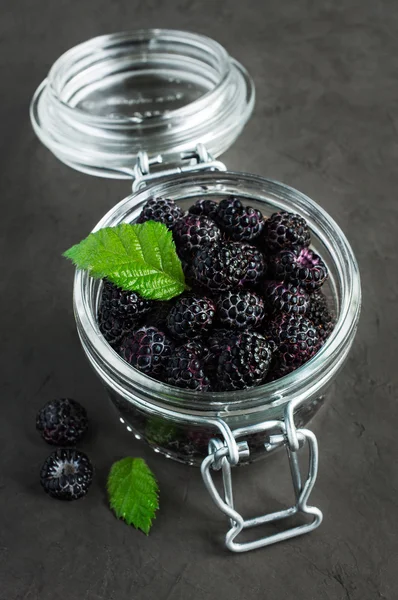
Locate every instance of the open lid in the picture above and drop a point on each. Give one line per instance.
(159, 91)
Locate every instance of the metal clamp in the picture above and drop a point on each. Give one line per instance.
(199, 160)
(220, 458)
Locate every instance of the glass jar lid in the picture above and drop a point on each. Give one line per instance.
(159, 91)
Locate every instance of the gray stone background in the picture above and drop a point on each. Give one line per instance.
(326, 122)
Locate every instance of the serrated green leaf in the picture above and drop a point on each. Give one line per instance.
(141, 258)
(133, 492)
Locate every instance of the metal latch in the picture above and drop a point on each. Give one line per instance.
(199, 160)
(227, 453)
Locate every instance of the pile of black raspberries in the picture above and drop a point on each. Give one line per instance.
(255, 311)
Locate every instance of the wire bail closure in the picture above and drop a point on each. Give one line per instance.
(199, 160)
(223, 455)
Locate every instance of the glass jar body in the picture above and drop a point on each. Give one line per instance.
(179, 423)
(188, 442)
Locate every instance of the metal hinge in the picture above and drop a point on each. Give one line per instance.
(199, 160)
(227, 453)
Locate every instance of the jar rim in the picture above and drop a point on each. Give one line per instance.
(308, 379)
(137, 34)
(107, 144)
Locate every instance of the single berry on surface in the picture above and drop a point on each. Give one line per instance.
(319, 313)
(309, 271)
(207, 208)
(148, 350)
(227, 266)
(186, 369)
(239, 360)
(191, 232)
(66, 474)
(191, 316)
(62, 422)
(239, 309)
(120, 312)
(163, 210)
(240, 223)
(284, 230)
(294, 339)
(286, 298)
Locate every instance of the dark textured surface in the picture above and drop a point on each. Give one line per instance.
(326, 122)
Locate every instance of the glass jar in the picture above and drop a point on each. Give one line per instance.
(184, 100)
(171, 419)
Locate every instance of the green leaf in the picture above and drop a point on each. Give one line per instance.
(159, 431)
(133, 492)
(141, 258)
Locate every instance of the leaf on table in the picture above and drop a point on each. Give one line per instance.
(133, 492)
